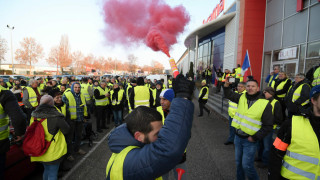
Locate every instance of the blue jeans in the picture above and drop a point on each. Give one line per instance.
(117, 116)
(50, 171)
(265, 147)
(245, 152)
(232, 131)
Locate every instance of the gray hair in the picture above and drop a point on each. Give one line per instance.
(32, 81)
(47, 99)
(301, 75)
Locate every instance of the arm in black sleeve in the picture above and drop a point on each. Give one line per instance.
(232, 96)
(305, 92)
(11, 107)
(267, 122)
(278, 117)
(151, 98)
(63, 126)
(131, 98)
(285, 88)
(204, 91)
(276, 155)
(97, 94)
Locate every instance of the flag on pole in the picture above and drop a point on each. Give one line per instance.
(246, 64)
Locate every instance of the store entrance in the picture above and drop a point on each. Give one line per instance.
(290, 67)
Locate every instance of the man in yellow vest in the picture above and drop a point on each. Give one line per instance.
(9, 108)
(170, 82)
(31, 97)
(86, 90)
(143, 148)
(208, 75)
(241, 88)
(77, 113)
(295, 152)
(239, 77)
(132, 83)
(117, 101)
(140, 95)
(297, 97)
(102, 100)
(54, 127)
(253, 121)
(154, 94)
(273, 75)
(203, 98)
(265, 144)
(10, 83)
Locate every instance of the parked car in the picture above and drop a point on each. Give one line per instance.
(18, 77)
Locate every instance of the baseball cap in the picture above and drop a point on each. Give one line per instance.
(314, 90)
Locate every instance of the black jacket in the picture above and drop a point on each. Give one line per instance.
(267, 117)
(285, 88)
(17, 117)
(158, 98)
(115, 97)
(204, 91)
(284, 134)
(277, 112)
(295, 107)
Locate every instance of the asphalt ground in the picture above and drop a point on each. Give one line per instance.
(207, 157)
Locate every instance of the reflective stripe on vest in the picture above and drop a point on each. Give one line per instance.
(84, 91)
(4, 124)
(57, 148)
(297, 93)
(249, 119)
(105, 100)
(280, 87)
(206, 96)
(73, 105)
(33, 96)
(63, 110)
(120, 96)
(232, 109)
(141, 96)
(302, 157)
(316, 77)
(170, 83)
(273, 103)
(271, 80)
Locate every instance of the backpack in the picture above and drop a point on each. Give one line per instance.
(34, 143)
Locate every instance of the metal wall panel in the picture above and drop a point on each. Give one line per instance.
(314, 26)
(295, 29)
(229, 45)
(273, 37)
(274, 12)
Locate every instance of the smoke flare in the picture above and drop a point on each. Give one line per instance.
(149, 21)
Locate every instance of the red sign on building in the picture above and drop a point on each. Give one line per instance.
(216, 11)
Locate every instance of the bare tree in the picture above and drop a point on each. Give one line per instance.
(61, 55)
(157, 67)
(30, 52)
(77, 59)
(3, 49)
(132, 60)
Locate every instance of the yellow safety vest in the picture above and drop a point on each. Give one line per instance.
(9, 84)
(127, 96)
(84, 91)
(238, 74)
(170, 83)
(120, 96)
(73, 105)
(279, 87)
(303, 156)
(232, 109)
(57, 148)
(116, 162)
(316, 77)
(273, 103)
(154, 94)
(249, 119)
(141, 96)
(63, 110)
(297, 93)
(208, 72)
(42, 86)
(271, 79)
(206, 96)
(4, 124)
(32, 96)
(160, 110)
(105, 100)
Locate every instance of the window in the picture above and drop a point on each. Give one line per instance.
(313, 49)
(302, 59)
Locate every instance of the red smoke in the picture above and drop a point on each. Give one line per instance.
(149, 21)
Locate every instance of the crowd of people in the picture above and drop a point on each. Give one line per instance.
(67, 107)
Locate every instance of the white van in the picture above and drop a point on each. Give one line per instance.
(158, 77)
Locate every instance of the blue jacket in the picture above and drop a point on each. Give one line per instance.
(153, 160)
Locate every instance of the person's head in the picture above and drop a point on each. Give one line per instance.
(282, 75)
(276, 69)
(315, 99)
(252, 87)
(233, 70)
(153, 86)
(96, 83)
(149, 81)
(113, 80)
(268, 92)
(2, 82)
(203, 82)
(146, 81)
(241, 87)
(159, 85)
(166, 97)
(10, 79)
(103, 84)
(134, 82)
(47, 99)
(239, 65)
(162, 80)
(54, 82)
(116, 86)
(33, 83)
(140, 81)
(64, 81)
(49, 84)
(144, 124)
(56, 95)
(63, 87)
(299, 77)
(85, 80)
(76, 88)
(154, 80)
(90, 80)
(17, 82)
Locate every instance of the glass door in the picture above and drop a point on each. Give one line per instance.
(290, 67)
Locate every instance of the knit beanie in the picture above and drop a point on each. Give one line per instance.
(167, 94)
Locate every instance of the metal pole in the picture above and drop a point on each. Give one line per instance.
(11, 29)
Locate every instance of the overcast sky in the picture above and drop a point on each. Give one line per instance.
(82, 21)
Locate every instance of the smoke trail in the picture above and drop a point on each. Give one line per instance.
(149, 21)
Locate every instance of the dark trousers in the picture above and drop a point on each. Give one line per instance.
(101, 113)
(219, 84)
(2, 164)
(202, 106)
(75, 134)
(28, 113)
(283, 108)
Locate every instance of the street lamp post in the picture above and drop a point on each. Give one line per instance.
(11, 29)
